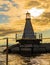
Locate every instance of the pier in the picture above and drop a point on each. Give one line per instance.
(29, 42)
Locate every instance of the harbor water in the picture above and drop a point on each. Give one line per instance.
(15, 59)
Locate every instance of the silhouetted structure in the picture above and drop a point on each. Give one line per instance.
(29, 36)
(28, 30)
(30, 43)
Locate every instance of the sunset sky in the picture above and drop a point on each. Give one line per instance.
(13, 12)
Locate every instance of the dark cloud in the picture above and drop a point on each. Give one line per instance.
(4, 18)
(45, 3)
(13, 3)
(4, 7)
(33, 3)
(46, 15)
(8, 31)
(2, 30)
(42, 21)
(45, 19)
(8, 0)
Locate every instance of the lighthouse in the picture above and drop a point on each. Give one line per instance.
(29, 36)
(28, 30)
(29, 44)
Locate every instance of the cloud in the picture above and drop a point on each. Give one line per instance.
(42, 22)
(13, 3)
(9, 0)
(46, 15)
(39, 4)
(33, 3)
(45, 19)
(2, 30)
(4, 18)
(4, 7)
(8, 31)
(36, 12)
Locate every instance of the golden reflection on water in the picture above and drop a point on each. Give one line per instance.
(15, 59)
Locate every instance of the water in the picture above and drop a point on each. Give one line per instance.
(15, 59)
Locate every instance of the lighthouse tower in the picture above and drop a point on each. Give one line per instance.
(28, 30)
(29, 37)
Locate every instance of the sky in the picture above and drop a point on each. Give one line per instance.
(13, 12)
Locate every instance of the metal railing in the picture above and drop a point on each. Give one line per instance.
(34, 36)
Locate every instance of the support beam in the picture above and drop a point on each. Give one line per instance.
(7, 51)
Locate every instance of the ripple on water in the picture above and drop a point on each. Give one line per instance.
(15, 59)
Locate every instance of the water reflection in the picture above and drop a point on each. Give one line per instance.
(15, 59)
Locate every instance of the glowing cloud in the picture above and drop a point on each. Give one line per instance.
(36, 12)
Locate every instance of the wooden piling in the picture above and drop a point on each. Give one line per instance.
(7, 51)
